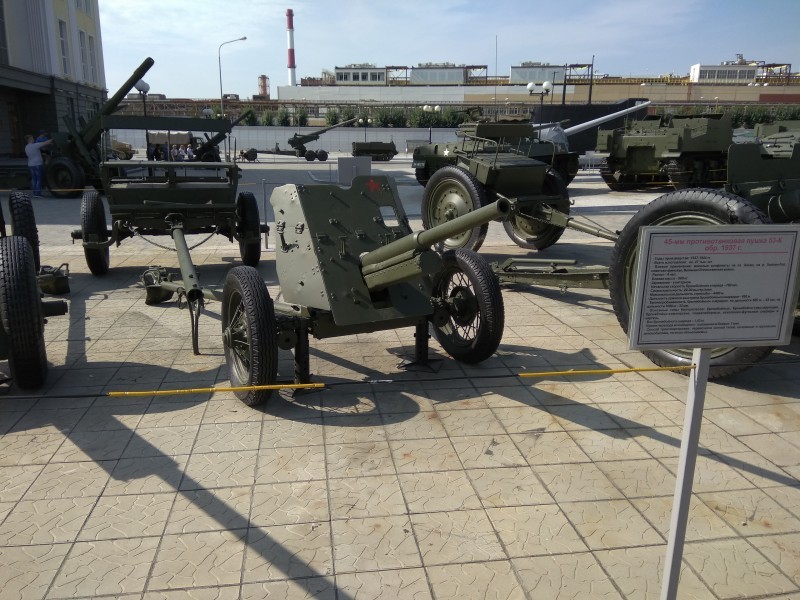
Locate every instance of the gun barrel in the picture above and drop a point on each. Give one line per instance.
(422, 240)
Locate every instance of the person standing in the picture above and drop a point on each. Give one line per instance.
(33, 151)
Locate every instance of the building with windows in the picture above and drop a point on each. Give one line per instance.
(51, 67)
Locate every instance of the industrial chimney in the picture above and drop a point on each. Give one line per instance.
(263, 86)
(290, 37)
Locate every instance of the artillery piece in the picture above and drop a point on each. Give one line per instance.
(348, 263)
(76, 155)
(299, 140)
(677, 150)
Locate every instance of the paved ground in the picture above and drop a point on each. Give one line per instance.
(468, 482)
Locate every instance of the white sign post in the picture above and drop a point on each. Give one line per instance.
(708, 287)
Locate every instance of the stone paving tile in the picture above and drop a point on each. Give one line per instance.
(348, 429)
(712, 474)
(93, 445)
(210, 510)
(576, 576)
(409, 583)
(777, 418)
(783, 550)
(639, 478)
(227, 437)
(15, 481)
(70, 480)
(350, 460)
(287, 503)
(288, 552)
(486, 451)
(360, 497)
(105, 567)
(535, 530)
(127, 517)
(733, 569)
(26, 449)
(608, 445)
(440, 491)
(510, 486)
(456, 537)
(149, 475)
(576, 481)
(751, 512)
(28, 570)
(161, 441)
(374, 543)
(479, 421)
(494, 579)
(549, 448)
(281, 433)
(220, 469)
(230, 592)
(291, 463)
(759, 471)
(703, 523)
(48, 521)
(423, 425)
(638, 572)
(734, 422)
(312, 588)
(775, 448)
(42, 421)
(580, 417)
(198, 559)
(611, 524)
(423, 455)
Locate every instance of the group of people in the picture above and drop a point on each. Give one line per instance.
(33, 150)
(163, 152)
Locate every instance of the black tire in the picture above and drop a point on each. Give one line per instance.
(310, 155)
(23, 222)
(64, 178)
(532, 234)
(421, 176)
(93, 226)
(248, 222)
(471, 291)
(210, 156)
(21, 313)
(249, 334)
(452, 192)
(322, 156)
(685, 207)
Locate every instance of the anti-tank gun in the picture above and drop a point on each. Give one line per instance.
(76, 155)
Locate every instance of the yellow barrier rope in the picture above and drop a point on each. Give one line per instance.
(605, 371)
(244, 388)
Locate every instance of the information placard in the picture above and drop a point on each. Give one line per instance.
(707, 286)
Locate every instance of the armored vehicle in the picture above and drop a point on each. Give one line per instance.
(681, 151)
(548, 143)
(375, 150)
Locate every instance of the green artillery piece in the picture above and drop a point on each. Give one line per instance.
(22, 279)
(299, 140)
(348, 263)
(682, 151)
(76, 155)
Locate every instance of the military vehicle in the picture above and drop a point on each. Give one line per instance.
(75, 155)
(22, 281)
(548, 143)
(347, 263)
(375, 150)
(299, 140)
(779, 138)
(121, 150)
(681, 151)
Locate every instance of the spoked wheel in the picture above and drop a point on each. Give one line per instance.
(93, 228)
(470, 291)
(249, 334)
(527, 231)
(64, 178)
(452, 192)
(685, 207)
(21, 313)
(23, 222)
(248, 224)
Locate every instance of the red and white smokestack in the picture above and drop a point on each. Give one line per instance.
(290, 37)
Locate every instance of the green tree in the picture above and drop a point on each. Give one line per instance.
(332, 117)
(283, 119)
(301, 117)
(267, 117)
(348, 112)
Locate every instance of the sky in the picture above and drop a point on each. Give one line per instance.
(626, 37)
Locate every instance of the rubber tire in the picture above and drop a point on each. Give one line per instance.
(93, 222)
(23, 222)
(470, 271)
(454, 181)
(686, 207)
(248, 221)
(310, 155)
(422, 177)
(21, 313)
(322, 156)
(548, 234)
(64, 178)
(248, 322)
(210, 156)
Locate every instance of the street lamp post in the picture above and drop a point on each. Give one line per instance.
(221, 103)
(365, 123)
(431, 109)
(542, 92)
(143, 87)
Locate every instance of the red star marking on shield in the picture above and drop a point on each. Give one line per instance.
(373, 185)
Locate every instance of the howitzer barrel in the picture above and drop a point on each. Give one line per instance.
(422, 240)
